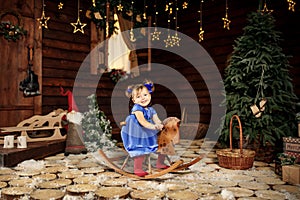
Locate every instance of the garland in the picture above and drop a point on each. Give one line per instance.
(97, 13)
(11, 31)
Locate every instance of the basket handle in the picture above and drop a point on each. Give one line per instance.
(241, 132)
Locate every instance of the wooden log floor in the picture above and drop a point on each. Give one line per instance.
(35, 150)
(85, 177)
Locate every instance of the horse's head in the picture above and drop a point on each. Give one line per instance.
(171, 129)
(169, 136)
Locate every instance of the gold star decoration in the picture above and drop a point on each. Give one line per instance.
(291, 5)
(155, 35)
(120, 7)
(184, 5)
(265, 10)
(176, 39)
(226, 22)
(78, 26)
(201, 34)
(169, 42)
(43, 20)
(60, 6)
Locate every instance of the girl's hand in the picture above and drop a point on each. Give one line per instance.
(158, 127)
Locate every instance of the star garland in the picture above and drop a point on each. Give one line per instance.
(185, 5)
(78, 26)
(169, 41)
(156, 34)
(265, 10)
(201, 31)
(175, 37)
(131, 33)
(60, 5)
(97, 13)
(43, 19)
(291, 5)
(225, 19)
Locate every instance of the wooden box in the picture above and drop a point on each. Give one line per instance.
(291, 174)
(291, 146)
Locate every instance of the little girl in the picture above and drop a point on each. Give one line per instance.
(139, 135)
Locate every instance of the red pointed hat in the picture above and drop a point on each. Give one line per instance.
(71, 100)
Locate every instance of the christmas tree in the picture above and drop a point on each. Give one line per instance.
(258, 85)
(96, 127)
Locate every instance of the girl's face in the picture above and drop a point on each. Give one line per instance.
(142, 97)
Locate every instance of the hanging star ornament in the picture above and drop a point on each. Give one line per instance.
(226, 22)
(60, 6)
(155, 35)
(120, 7)
(78, 26)
(265, 10)
(169, 42)
(176, 39)
(201, 35)
(43, 20)
(291, 5)
(184, 5)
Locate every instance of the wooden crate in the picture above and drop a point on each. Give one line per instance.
(291, 146)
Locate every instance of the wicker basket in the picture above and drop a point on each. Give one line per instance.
(236, 158)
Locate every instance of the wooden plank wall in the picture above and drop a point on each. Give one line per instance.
(14, 106)
(64, 52)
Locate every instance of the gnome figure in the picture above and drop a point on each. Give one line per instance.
(74, 141)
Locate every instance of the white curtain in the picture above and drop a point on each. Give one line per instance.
(118, 52)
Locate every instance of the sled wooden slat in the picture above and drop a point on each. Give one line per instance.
(36, 124)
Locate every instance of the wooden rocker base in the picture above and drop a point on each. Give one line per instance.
(177, 166)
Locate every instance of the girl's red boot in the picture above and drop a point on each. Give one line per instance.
(138, 166)
(160, 163)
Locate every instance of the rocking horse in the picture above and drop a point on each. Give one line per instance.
(167, 138)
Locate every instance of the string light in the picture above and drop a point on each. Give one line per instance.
(265, 10)
(131, 33)
(43, 19)
(169, 40)
(175, 37)
(225, 19)
(201, 31)
(145, 8)
(60, 5)
(78, 26)
(185, 5)
(291, 5)
(156, 34)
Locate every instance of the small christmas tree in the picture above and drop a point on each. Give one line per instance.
(96, 127)
(258, 86)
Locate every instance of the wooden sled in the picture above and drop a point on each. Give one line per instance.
(175, 167)
(38, 124)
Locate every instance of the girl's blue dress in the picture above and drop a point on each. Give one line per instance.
(137, 139)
